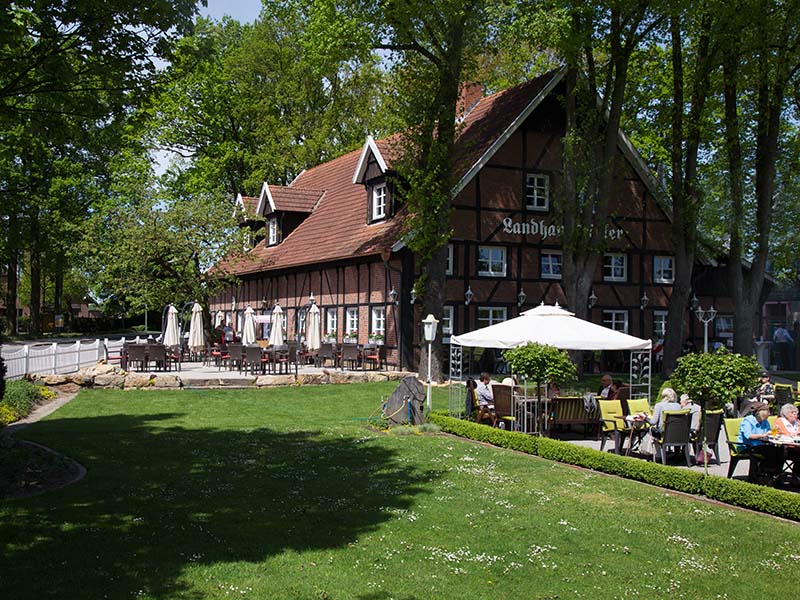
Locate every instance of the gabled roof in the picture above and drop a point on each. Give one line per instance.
(370, 147)
(248, 204)
(334, 196)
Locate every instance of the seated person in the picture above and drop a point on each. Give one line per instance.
(694, 409)
(472, 397)
(788, 423)
(669, 401)
(753, 432)
(553, 391)
(485, 399)
(608, 390)
(765, 391)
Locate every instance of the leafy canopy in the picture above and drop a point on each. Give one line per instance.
(714, 379)
(541, 363)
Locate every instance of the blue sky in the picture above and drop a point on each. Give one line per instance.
(244, 11)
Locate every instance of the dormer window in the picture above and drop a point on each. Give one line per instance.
(272, 237)
(379, 198)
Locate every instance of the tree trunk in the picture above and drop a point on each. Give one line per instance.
(11, 274)
(35, 272)
(432, 304)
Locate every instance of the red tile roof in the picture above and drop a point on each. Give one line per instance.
(337, 227)
(250, 204)
(291, 199)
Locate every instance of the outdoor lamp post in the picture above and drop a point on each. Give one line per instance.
(429, 327)
(705, 317)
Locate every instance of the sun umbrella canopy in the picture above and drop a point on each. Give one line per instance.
(276, 334)
(171, 331)
(197, 336)
(554, 326)
(249, 328)
(313, 338)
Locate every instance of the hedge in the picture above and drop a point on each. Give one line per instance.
(730, 491)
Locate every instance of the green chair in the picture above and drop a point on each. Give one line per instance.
(675, 434)
(738, 452)
(611, 425)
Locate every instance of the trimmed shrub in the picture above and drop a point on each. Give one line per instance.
(755, 497)
(738, 493)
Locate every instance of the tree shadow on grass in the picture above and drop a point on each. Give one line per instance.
(157, 500)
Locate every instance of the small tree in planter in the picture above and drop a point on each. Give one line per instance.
(712, 380)
(542, 364)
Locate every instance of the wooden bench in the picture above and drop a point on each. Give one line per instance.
(567, 411)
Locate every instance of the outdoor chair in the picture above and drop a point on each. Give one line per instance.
(120, 356)
(376, 356)
(252, 359)
(234, 356)
(157, 354)
(623, 395)
(710, 421)
(349, 355)
(571, 410)
(137, 354)
(286, 359)
(739, 452)
(674, 434)
(783, 395)
(325, 353)
(611, 425)
(503, 395)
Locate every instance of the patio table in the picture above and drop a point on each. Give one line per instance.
(638, 429)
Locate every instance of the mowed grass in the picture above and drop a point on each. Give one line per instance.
(281, 494)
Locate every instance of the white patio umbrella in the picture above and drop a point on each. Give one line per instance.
(171, 331)
(197, 341)
(312, 328)
(276, 335)
(220, 319)
(249, 329)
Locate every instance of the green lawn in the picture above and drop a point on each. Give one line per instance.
(280, 493)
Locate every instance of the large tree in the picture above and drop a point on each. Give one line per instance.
(430, 48)
(71, 70)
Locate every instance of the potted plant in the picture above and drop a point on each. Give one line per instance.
(350, 337)
(330, 336)
(376, 338)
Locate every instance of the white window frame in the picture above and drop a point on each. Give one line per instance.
(660, 318)
(492, 262)
(616, 320)
(331, 320)
(448, 265)
(351, 321)
(493, 315)
(537, 192)
(379, 198)
(611, 271)
(301, 323)
(273, 231)
(447, 320)
(726, 332)
(658, 269)
(377, 325)
(550, 254)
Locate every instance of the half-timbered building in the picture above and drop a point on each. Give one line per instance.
(336, 233)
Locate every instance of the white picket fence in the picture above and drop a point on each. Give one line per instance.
(60, 357)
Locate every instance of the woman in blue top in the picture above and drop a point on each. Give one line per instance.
(753, 432)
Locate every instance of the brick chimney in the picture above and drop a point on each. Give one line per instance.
(470, 94)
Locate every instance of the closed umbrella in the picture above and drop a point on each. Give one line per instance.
(249, 329)
(197, 341)
(312, 328)
(276, 335)
(171, 331)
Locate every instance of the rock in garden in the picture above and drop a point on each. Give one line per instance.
(405, 404)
